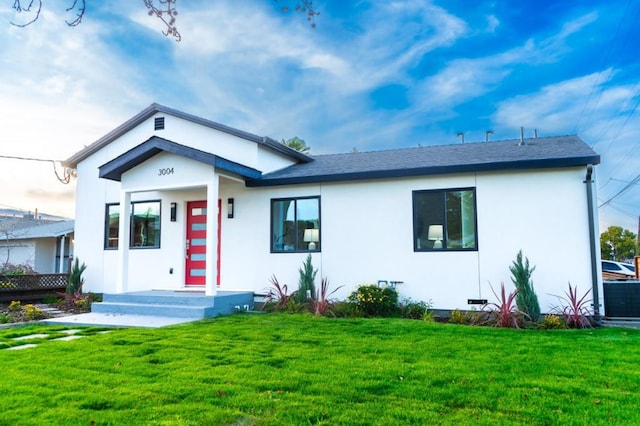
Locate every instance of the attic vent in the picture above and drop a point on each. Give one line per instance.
(158, 123)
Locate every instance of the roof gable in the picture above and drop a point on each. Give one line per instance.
(153, 109)
(114, 169)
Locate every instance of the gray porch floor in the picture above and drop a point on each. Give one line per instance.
(158, 308)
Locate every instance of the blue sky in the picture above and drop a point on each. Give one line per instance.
(371, 75)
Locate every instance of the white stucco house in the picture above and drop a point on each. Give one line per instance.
(173, 201)
(44, 245)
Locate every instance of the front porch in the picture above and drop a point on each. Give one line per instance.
(175, 304)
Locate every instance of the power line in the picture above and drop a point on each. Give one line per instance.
(622, 191)
(66, 174)
(44, 160)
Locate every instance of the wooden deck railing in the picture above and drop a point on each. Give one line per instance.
(31, 287)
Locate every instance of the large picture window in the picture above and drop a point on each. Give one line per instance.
(444, 220)
(145, 225)
(295, 224)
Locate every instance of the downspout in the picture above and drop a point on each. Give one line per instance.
(592, 243)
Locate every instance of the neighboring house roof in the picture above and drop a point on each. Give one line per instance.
(28, 229)
(561, 151)
(113, 169)
(153, 109)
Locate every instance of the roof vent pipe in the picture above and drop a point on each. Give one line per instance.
(486, 135)
(461, 136)
(521, 137)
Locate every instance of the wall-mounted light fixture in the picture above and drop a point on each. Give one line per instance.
(174, 211)
(311, 236)
(230, 208)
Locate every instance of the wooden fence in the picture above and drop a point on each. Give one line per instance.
(31, 287)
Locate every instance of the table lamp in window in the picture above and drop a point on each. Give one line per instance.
(312, 236)
(435, 235)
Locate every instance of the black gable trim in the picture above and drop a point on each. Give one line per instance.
(426, 171)
(114, 169)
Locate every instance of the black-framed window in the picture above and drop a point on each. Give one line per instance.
(445, 220)
(112, 226)
(295, 224)
(145, 225)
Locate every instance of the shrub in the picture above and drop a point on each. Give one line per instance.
(526, 299)
(18, 269)
(552, 322)
(346, 309)
(321, 304)
(77, 302)
(15, 306)
(278, 298)
(4, 318)
(459, 317)
(306, 283)
(412, 309)
(32, 312)
(76, 281)
(504, 313)
(374, 301)
(577, 312)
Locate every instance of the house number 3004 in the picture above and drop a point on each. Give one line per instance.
(165, 172)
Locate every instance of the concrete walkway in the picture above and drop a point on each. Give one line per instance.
(117, 320)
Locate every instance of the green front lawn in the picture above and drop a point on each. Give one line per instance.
(298, 369)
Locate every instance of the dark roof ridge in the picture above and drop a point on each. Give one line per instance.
(407, 148)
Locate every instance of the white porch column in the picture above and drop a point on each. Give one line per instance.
(124, 231)
(61, 261)
(212, 237)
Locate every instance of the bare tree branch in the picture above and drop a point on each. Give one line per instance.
(166, 11)
(19, 8)
(305, 7)
(79, 7)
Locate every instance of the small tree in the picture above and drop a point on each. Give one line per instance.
(298, 144)
(617, 244)
(306, 283)
(526, 299)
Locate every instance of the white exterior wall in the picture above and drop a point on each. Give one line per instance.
(367, 235)
(18, 252)
(152, 266)
(45, 260)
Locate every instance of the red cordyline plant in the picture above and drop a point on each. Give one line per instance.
(279, 294)
(504, 313)
(321, 304)
(576, 310)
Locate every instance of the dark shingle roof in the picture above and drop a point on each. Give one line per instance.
(560, 151)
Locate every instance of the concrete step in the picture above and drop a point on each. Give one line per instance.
(160, 298)
(164, 309)
(174, 304)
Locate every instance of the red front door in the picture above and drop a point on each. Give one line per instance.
(196, 263)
